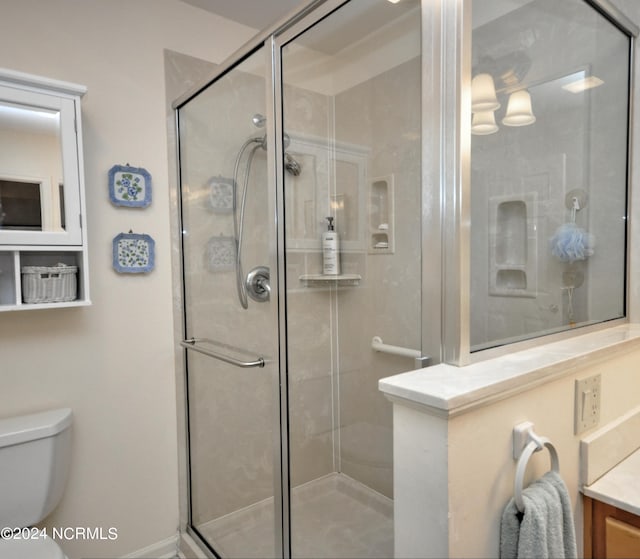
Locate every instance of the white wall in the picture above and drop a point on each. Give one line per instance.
(481, 469)
(113, 362)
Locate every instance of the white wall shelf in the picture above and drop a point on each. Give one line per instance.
(12, 261)
(59, 236)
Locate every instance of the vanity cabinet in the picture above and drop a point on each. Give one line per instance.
(43, 241)
(610, 532)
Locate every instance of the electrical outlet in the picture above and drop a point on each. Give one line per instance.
(587, 407)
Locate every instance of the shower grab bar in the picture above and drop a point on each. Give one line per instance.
(191, 343)
(378, 345)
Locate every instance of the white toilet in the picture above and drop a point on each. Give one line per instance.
(34, 460)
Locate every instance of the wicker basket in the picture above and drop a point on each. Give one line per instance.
(49, 284)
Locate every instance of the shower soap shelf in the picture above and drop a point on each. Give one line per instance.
(321, 280)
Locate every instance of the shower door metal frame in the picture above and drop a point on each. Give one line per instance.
(624, 24)
(445, 179)
(276, 174)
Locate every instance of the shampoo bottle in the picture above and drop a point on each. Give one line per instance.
(330, 254)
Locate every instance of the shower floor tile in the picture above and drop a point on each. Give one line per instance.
(333, 516)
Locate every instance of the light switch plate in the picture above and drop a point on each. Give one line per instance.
(587, 403)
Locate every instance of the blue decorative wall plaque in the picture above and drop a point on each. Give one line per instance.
(129, 186)
(133, 253)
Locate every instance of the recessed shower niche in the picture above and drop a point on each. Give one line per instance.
(381, 215)
(512, 245)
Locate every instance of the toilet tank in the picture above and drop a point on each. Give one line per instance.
(34, 460)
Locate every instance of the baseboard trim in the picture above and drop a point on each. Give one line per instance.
(166, 549)
(189, 548)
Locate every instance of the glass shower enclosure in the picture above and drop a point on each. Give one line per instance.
(458, 242)
(290, 441)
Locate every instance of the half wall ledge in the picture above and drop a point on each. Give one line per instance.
(446, 390)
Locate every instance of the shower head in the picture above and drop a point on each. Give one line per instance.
(291, 165)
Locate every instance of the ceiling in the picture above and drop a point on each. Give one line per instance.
(258, 14)
(357, 19)
(484, 12)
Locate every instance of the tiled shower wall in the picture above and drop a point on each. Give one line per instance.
(383, 114)
(339, 419)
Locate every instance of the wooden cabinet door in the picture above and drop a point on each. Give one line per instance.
(610, 533)
(622, 540)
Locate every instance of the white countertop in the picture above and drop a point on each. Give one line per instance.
(620, 486)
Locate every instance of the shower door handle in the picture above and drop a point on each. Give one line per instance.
(192, 343)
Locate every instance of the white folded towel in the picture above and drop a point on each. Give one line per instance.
(545, 529)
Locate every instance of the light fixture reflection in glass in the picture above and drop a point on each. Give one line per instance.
(483, 123)
(583, 84)
(519, 112)
(483, 94)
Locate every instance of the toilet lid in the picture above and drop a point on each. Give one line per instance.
(40, 548)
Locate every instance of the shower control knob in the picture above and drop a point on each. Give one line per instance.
(258, 286)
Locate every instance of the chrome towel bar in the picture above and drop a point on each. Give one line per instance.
(193, 343)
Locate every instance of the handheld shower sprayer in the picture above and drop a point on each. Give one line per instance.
(256, 285)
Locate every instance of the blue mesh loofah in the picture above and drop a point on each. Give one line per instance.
(571, 243)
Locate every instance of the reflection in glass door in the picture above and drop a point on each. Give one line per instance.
(230, 327)
(351, 109)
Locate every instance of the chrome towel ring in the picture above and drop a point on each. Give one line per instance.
(535, 444)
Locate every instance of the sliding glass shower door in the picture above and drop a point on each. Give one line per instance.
(290, 441)
(231, 329)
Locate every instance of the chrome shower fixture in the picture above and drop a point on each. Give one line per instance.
(256, 284)
(291, 165)
(259, 120)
